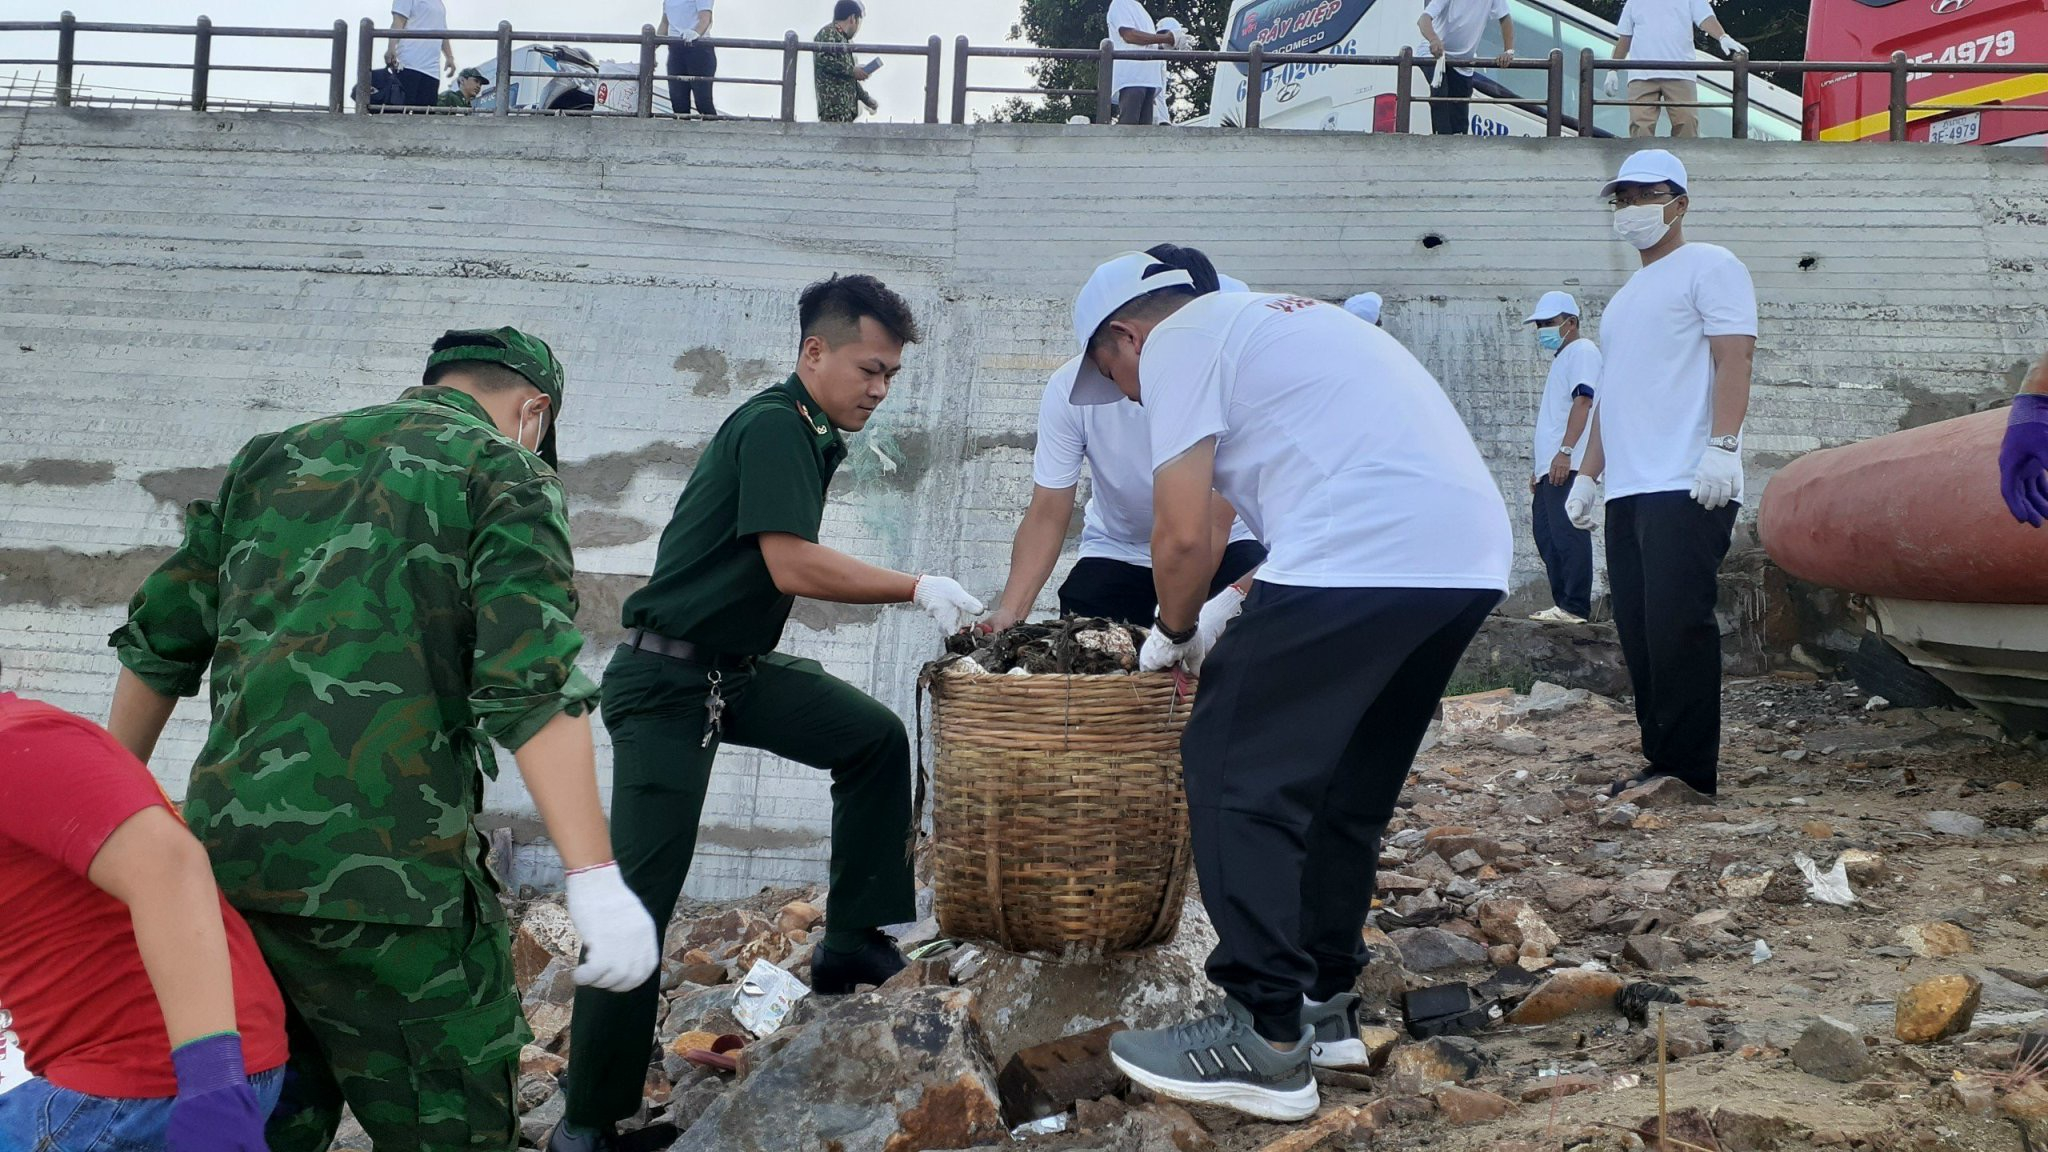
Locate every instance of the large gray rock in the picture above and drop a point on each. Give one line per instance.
(898, 1071)
(1832, 1050)
(1508, 650)
(1433, 949)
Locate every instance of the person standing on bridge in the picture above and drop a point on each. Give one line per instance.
(1667, 436)
(1451, 31)
(1390, 544)
(2023, 458)
(379, 597)
(838, 79)
(1137, 83)
(699, 669)
(1113, 577)
(1662, 30)
(1561, 418)
(414, 60)
(691, 64)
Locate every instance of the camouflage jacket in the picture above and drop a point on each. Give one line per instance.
(839, 94)
(375, 593)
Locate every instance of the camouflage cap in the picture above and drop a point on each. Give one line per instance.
(529, 356)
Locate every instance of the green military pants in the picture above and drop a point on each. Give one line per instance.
(418, 1030)
(654, 710)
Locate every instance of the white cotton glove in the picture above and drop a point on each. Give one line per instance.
(688, 35)
(947, 602)
(1720, 473)
(1579, 504)
(620, 946)
(1613, 85)
(1731, 45)
(1221, 609)
(1160, 654)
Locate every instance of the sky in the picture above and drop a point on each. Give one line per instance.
(899, 87)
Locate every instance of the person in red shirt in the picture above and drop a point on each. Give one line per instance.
(142, 1005)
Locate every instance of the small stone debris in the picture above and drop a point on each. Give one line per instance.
(1832, 1050)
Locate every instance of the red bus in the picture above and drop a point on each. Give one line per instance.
(1855, 105)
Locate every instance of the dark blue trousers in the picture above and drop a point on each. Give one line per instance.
(1567, 551)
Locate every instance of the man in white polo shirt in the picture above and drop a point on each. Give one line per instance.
(1667, 434)
(1136, 82)
(691, 63)
(1389, 545)
(1561, 417)
(1451, 31)
(1662, 30)
(1113, 577)
(419, 64)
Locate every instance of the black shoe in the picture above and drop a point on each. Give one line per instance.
(1620, 786)
(583, 1140)
(838, 973)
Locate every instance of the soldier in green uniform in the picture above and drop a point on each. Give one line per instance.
(838, 78)
(699, 669)
(379, 595)
(468, 83)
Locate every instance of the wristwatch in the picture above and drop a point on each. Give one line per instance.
(1564, 449)
(1160, 627)
(1725, 443)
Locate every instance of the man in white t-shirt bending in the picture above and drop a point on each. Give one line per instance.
(1662, 30)
(418, 64)
(1389, 545)
(1113, 577)
(1561, 418)
(1451, 32)
(1136, 82)
(1680, 342)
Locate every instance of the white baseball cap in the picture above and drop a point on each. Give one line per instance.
(1365, 306)
(1112, 286)
(1553, 305)
(1649, 166)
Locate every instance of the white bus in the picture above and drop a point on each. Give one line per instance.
(1360, 98)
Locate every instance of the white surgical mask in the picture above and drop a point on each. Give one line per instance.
(1641, 224)
(540, 427)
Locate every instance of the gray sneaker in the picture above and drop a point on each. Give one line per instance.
(1335, 1025)
(1220, 1060)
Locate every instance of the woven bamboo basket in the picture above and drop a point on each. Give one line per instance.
(1058, 820)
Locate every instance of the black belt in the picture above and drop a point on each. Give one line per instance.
(645, 641)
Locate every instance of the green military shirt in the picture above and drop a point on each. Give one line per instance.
(375, 593)
(839, 94)
(765, 471)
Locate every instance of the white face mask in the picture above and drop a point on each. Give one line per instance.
(1641, 225)
(540, 429)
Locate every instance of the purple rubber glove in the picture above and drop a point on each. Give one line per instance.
(216, 1109)
(2023, 462)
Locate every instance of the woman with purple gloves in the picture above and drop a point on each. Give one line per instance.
(2023, 462)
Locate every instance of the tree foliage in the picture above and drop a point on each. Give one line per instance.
(1772, 29)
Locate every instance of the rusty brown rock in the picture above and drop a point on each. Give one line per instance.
(1517, 923)
(1439, 1060)
(1568, 993)
(1936, 939)
(1176, 1124)
(1573, 1085)
(798, 916)
(1463, 1106)
(1936, 1009)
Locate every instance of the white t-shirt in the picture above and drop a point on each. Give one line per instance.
(1133, 73)
(1656, 391)
(1662, 30)
(682, 14)
(1576, 368)
(1117, 524)
(422, 16)
(1461, 24)
(1336, 445)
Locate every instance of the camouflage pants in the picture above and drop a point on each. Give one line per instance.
(418, 1030)
(837, 106)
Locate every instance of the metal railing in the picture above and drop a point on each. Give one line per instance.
(1560, 108)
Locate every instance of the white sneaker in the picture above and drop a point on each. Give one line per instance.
(1556, 615)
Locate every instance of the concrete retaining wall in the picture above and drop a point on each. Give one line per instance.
(172, 284)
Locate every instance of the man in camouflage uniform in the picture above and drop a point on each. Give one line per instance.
(379, 595)
(468, 83)
(838, 78)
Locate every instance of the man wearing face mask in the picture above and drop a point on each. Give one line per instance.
(1566, 548)
(380, 596)
(1390, 544)
(1667, 436)
(699, 669)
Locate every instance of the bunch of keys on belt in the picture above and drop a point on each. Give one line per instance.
(714, 710)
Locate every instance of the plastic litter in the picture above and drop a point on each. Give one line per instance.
(1831, 887)
(1046, 1127)
(1760, 953)
(765, 997)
